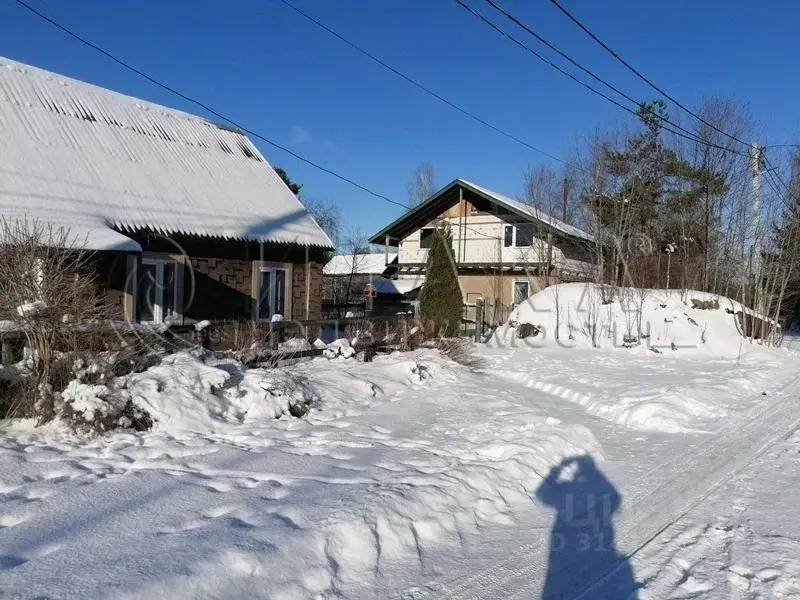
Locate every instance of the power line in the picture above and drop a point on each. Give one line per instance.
(221, 116)
(640, 75)
(417, 84)
(206, 107)
(689, 135)
(589, 72)
(771, 171)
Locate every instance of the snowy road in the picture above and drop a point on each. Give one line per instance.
(669, 492)
(416, 478)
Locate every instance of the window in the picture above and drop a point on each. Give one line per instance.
(271, 292)
(524, 235)
(157, 290)
(521, 291)
(508, 240)
(426, 237)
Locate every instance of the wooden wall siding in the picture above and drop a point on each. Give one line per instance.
(461, 208)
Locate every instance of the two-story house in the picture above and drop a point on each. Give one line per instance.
(504, 250)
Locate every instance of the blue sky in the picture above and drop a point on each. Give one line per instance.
(267, 67)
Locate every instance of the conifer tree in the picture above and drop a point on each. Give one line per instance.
(441, 301)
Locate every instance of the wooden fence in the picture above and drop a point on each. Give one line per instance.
(223, 335)
(481, 316)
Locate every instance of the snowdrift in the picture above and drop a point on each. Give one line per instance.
(585, 315)
(397, 459)
(637, 357)
(193, 392)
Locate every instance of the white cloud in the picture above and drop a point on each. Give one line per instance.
(330, 146)
(301, 135)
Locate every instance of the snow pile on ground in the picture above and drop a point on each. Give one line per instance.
(190, 391)
(395, 460)
(89, 400)
(668, 379)
(589, 315)
(340, 347)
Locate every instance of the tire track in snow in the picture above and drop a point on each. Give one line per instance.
(691, 480)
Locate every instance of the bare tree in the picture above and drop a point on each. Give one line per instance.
(342, 286)
(48, 292)
(327, 215)
(422, 184)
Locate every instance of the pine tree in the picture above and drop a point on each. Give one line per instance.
(440, 301)
(658, 198)
(292, 185)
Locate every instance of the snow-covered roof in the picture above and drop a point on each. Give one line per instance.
(85, 158)
(358, 264)
(427, 211)
(398, 286)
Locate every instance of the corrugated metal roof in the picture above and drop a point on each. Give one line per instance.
(358, 264)
(80, 156)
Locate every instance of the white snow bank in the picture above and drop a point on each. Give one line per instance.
(87, 399)
(190, 391)
(397, 459)
(201, 325)
(573, 315)
(703, 368)
(295, 345)
(339, 348)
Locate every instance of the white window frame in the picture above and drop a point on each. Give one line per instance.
(533, 235)
(514, 283)
(287, 283)
(158, 306)
(513, 229)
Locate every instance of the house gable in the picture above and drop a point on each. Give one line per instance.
(487, 229)
(463, 199)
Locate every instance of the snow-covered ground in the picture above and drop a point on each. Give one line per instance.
(415, 477)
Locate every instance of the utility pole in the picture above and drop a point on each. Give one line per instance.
(564, 200)
(756, 154)
(756, 158)
(756, 164)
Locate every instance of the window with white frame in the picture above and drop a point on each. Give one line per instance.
(508, 236)
(157, 290)
(271, 292)
(524, 237)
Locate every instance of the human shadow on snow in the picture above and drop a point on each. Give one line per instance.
(583, 562)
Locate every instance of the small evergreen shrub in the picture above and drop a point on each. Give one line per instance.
(441, 304)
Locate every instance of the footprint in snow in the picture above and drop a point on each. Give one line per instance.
(9, 562)
(12, 520)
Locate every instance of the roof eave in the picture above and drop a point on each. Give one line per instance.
(380, 237)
